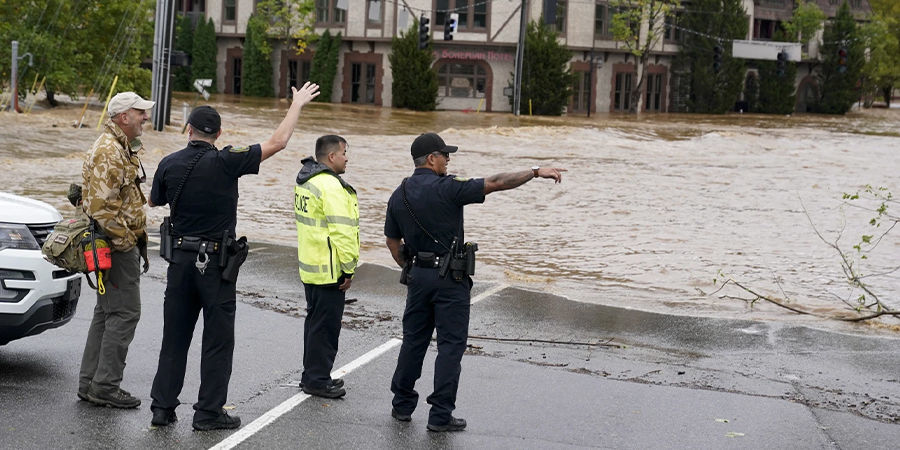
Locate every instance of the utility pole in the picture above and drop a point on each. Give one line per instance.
(161, 89)
(520, 53)
(14, 76)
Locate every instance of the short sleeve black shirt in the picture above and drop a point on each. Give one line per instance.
(207, 205)
(437, 202)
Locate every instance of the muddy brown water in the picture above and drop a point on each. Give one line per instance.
(652, 208)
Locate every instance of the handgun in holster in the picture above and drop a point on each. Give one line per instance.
(234, 253)
(408, 259)
(166, 239)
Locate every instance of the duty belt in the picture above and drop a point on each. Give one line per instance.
(193, 244)
(430, 262)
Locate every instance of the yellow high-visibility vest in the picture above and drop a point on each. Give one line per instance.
(327, 215)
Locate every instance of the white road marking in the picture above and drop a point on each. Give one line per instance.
(291, 403)
(489, 292)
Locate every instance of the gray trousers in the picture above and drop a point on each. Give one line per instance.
(112, 328)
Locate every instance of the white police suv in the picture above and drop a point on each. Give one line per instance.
(34, 294)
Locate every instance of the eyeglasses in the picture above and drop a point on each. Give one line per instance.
(444, 154)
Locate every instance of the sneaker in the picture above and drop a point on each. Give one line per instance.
(223, 422)
(115, 399)
(454, 425)
(337, 382)
(331, 391)
(399, 416)
(163, 417)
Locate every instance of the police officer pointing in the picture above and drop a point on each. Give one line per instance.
(424, 232)
(200, 185)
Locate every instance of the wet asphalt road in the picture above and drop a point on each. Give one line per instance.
(531, 379)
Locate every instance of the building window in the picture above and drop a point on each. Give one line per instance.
(622, 94)
(362, 83)
(581, 92)
(472, 14)
(229, 11)
(461, 79)
(764, 29)
(298, 72)
(856, 4)
(374, 13)
(601, 20)
(330, 13)
(673, 33)
(561, 16)
(653, 102)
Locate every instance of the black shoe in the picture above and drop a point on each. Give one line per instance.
(82, 395)
(454, 425)
(163, 417)
(401, 417)
(223, 422)
(337, 382)
(329, 392)
(115, 399)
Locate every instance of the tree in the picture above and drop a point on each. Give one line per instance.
(324, 64)
(805, 22)
(79, 45)
(184, 42)
(840, 72)
(256, 67)
(640, 25)
(777, 94)
(882, 37)
(547, 79)
(290, 22)
(415, 84)
(203, 63)
(716, 22)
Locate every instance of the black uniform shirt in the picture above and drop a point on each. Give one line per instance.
(437, 202)
(207, 205)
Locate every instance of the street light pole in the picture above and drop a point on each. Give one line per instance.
(520, 53)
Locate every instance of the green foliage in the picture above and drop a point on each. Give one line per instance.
(184, 41)
(705, 90)
(256, 65)
(288, 20)
(204, 51)
(547, 79)
(777, 94)
(324, 65)
(415, 84)
(79, 46)
(838, 89)
(805, 22)
(881, 73)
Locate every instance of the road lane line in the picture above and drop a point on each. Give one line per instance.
(289, 404)
(489, 292)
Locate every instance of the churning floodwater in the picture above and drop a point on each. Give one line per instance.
(651, 209)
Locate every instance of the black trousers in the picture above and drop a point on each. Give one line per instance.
(321, 332)
(187, 293)
(432, 302)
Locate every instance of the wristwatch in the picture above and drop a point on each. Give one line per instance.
(535, 170)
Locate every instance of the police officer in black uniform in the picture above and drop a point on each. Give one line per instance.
(424, 232)
(200, 183)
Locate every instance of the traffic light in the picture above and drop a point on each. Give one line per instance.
(717, 58)
(450, 26)
(424, 33)
(781, 63)
(842, 60)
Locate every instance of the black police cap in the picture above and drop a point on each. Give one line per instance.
(205, 119)
(428, 143)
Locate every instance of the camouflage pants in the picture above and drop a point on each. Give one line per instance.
(112, 327)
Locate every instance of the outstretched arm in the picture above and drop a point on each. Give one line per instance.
(512, 180)
(283, 133)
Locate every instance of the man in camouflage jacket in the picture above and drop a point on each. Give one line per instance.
(112, 197)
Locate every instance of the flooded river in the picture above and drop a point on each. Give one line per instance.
(651, 209)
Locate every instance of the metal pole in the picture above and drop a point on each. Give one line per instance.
(591, 82)
(162, 59)
(520, 53)
(14, 93)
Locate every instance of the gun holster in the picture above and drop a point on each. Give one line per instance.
(166, 239)
(234, 254)
(408, 258)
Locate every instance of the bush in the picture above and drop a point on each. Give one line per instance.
(256, 66)
(415, 84)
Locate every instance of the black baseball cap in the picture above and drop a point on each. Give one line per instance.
(428, 143)
(205, 119)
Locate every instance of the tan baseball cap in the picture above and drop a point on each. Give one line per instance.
(124, 101)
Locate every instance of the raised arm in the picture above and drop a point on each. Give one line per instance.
(512, 180)
(283, 133)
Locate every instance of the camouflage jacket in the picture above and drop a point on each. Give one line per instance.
(111, 194)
